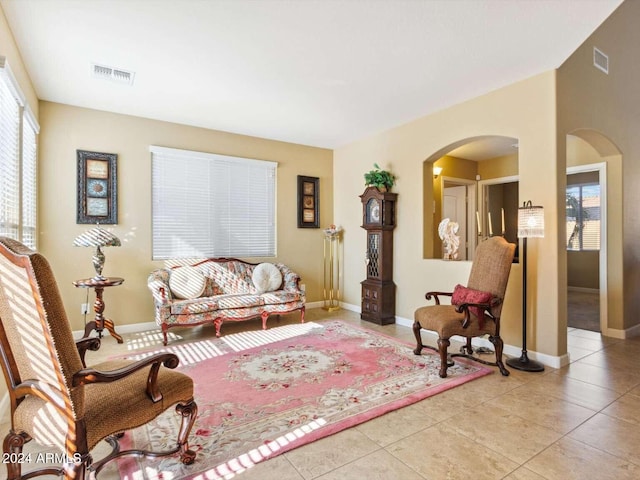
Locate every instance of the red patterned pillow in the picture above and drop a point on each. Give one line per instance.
(463, 294)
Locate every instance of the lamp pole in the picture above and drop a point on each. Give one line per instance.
(528, 226)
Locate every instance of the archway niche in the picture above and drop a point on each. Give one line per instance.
(473, 182)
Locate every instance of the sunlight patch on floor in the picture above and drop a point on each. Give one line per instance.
(194, 352)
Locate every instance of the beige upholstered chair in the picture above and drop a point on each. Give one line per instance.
(477, 309)
(55, 399)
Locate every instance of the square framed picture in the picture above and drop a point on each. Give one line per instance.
(97, 188)
(308, 202)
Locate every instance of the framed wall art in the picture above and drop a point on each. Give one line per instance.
(97, 188)
(308, 202)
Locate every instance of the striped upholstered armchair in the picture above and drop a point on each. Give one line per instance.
(475, 309)
(55, 399)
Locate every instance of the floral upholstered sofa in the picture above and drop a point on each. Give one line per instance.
(223, 289)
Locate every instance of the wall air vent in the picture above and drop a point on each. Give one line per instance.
(600, 60)
(117, 75)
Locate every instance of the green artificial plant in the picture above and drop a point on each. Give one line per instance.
(379, 178)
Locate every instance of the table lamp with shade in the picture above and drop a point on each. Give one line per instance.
(530, 225)
(97, 237)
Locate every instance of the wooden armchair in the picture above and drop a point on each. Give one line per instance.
(475, 309)
(55, 399)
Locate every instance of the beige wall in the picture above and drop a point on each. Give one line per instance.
(504, 166)
(525, 111)
(9, 50)
(66, 129)
(603, 110)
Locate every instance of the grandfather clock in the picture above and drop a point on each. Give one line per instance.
(378, 290)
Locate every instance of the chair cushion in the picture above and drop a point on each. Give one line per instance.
(187, 282)
(462, 294)
(104, 413)
(446, 322)
(266, 277)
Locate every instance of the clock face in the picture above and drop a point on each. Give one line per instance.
(373, 211)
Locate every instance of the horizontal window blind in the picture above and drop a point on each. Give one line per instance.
(18, 161)
(29, 187)
(209, 205)
(9, 162)
(583, 217)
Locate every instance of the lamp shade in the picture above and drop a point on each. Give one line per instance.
(96, 237)
(530, 221)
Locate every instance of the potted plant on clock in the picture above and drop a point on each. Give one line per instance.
(383, 180)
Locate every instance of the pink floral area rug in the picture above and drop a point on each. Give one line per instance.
(263, 393)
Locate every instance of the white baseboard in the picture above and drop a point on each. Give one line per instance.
(131, 328)
(622, 334)
(141, 327)
(509, 350)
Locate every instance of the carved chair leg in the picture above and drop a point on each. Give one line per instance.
(498, 345)
(416, 332)
(302, 314)
(468, 349)
(12, 447)
(264, 316)
(165, 328)
(189, 412)
(443, 345)
(218, 324)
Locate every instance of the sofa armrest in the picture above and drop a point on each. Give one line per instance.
(290, 279)
(158, 283)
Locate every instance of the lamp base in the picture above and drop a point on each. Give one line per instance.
(523, 363)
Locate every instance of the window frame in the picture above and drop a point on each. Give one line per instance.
(24, 163)
(580, 216)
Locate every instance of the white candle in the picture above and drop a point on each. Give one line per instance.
(478, 220)
(490, 226)
(503, 222)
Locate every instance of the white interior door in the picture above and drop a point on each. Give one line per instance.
(454, 207)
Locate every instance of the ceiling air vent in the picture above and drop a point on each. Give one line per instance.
(117, 75)
(600, 60)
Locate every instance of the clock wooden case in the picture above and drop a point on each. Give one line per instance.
(378, 289)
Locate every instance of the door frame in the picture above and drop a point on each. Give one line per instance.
(472, 234)
(601, 168)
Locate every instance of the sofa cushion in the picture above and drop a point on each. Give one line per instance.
(187, 282)
(194, 306)
(229, 302)
(280, 296)
(266, 277)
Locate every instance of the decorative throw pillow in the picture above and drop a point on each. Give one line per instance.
(463, 294)
(266, 277)
(187, 282)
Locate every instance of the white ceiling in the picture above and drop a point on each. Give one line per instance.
(314, 72)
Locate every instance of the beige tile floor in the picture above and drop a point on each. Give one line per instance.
(578, 422)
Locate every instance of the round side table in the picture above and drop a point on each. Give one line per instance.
(99, 323)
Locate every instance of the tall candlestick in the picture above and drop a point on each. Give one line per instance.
(490, 226)
(478, 221)
(502, 222)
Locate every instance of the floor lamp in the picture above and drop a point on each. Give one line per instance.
(530, 224)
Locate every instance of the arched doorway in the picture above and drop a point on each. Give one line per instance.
(595, 161)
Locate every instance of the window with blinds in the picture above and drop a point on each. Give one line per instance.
(18, 161)
(209, 205)
(583, 217)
